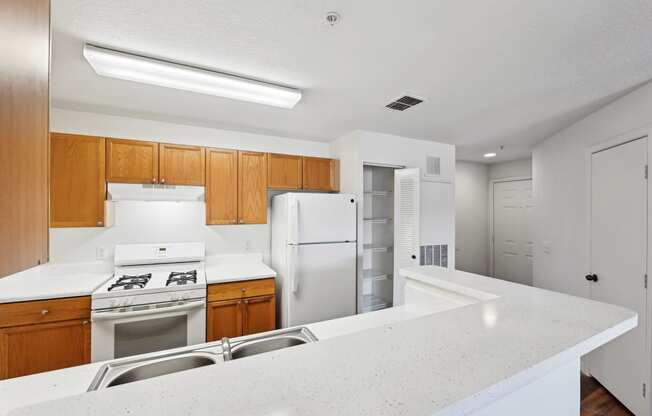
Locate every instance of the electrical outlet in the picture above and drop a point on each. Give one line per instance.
(100, 253)
(248, 245)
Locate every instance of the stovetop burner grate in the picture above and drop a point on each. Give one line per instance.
(127, 282)
(181, 278)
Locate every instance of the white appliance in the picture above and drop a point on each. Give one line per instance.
(314, 254)
(155, 300)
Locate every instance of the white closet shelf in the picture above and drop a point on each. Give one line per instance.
(378, 193)
(377, 220)
(376, 275)
(374, 303)
(377, 248)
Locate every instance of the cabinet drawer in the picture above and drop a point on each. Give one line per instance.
(39, 311)
(235, 290)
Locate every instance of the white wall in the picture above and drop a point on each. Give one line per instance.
(561, 180)
(471, 217)
(165, 221)
(513, 169)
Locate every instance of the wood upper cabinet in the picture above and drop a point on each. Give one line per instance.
(240, 308)
(131, 161)
(252, 187)
(284, 171)
(77, 181)
(44, 335)
(321, 174)
(24, 107)
(221, 186)
(182, 165)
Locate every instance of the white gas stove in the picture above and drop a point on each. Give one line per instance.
(155, 300)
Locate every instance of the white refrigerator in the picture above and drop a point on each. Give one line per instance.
(314, 253)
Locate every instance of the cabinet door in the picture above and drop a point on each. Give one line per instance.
(252, 188)
(223, 319)
(132, 161)
(221, 186)
(35, 348)
(259, 314)
(284, 171)
(321, 174)
(182, 165)
(77, 182)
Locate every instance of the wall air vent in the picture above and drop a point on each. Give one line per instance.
(403, 103)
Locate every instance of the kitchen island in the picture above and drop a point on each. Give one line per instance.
(462, 344)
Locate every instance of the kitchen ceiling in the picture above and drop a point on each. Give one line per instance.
(504, 72)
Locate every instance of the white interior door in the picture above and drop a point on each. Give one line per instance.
(406, 226)
(512, 231)
(618, 259)
(323, 282)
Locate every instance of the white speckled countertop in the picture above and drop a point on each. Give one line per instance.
(443, 363)
(54, 280)
(236, 267)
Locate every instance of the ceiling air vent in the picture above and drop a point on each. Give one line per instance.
(404, 103)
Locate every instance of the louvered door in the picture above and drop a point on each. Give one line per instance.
(406, 226)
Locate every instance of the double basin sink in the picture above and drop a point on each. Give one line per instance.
(129, 370)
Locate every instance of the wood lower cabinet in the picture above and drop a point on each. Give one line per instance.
(284, 171)
(259, 314)
(77, 181)
(252, 188)
(221, 186)
(44, 335)
(240, 308)
(321, 174)
(131, 161)
(224, 319)
(182, 165)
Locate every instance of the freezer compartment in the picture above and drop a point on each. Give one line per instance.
(321, 218)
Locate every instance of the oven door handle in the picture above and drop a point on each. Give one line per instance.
(102, 316)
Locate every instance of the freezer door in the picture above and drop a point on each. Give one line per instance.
(321, 218)
(321, 284)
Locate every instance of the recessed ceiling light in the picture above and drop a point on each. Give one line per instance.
(115, 64)
(488, 155)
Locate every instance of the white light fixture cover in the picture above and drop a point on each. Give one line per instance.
(115, 64)
(489, 155)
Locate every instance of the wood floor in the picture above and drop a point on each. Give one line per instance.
(597, 401)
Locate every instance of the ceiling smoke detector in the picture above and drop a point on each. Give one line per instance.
(333, 18)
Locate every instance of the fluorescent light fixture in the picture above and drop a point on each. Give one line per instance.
(115, 64)
(488, 155)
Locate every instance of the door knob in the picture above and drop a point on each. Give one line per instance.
(591, 277)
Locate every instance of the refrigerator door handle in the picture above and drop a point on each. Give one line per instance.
(292, 275)
(294, 222)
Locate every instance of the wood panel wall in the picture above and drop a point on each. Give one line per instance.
(24, 118)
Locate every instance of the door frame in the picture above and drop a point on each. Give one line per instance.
(492, 184)
(629, 136)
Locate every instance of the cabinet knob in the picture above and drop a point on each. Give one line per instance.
(162, 180)
(45, 312)
(100, 223)
(241, 221)
(153, 180)
(243, 290)
(85, 323)
(234, 222)
(246, 301)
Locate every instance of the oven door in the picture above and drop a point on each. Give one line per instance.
(121, 332)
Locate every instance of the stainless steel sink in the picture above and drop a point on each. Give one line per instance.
(271, 341)
(130, 370)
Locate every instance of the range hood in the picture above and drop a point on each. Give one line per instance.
(139, 192)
